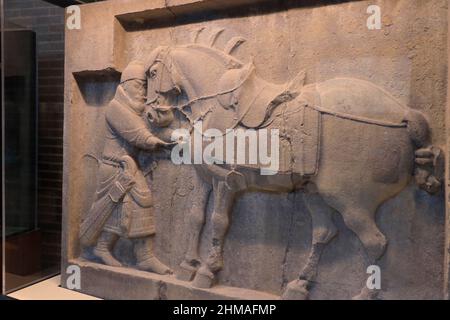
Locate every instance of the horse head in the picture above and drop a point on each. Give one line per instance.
(184, 76)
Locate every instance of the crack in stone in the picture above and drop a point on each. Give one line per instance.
(162, 291)
(284, 280)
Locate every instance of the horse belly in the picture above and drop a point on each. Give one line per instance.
(364, 158)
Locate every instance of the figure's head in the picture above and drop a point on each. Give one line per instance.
(133, 81)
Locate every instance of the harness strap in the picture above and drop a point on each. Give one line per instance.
(357, 118)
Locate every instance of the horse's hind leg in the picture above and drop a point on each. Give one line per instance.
(362, 222)
(360, 218)
(323, 230)
(223, 202)
(195, 221)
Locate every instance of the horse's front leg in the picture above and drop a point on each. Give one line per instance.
(223, 204)
(195, 221)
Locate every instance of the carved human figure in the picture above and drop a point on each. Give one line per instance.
(123, 204)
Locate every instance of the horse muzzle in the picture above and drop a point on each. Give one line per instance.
(160, 116)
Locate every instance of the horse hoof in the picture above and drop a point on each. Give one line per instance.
(296, 290)
(186, 272)
(203, 279)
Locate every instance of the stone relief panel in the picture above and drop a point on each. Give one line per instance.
(355, 176)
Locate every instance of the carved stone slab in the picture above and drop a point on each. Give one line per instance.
(272, 237)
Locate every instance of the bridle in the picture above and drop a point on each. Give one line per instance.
(180, 108)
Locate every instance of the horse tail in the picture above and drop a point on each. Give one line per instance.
(429, 159)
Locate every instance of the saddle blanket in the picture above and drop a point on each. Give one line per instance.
(300, 128)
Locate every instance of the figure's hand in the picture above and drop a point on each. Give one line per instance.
(121, 186)
(126, 177)
(126, 181)
(424, 156)
(156, 143)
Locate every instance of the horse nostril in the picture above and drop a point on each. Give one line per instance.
(150, 117)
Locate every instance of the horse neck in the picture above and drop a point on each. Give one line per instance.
(199, 73)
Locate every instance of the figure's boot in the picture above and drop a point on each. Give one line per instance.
(146, 260)
(104, 247)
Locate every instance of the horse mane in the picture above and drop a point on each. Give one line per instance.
(209, 47)
(218, 55)
(223, 56)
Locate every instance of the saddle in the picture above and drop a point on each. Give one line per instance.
(245, 100)
(254, 99)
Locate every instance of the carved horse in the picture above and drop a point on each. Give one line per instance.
(370, 148)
